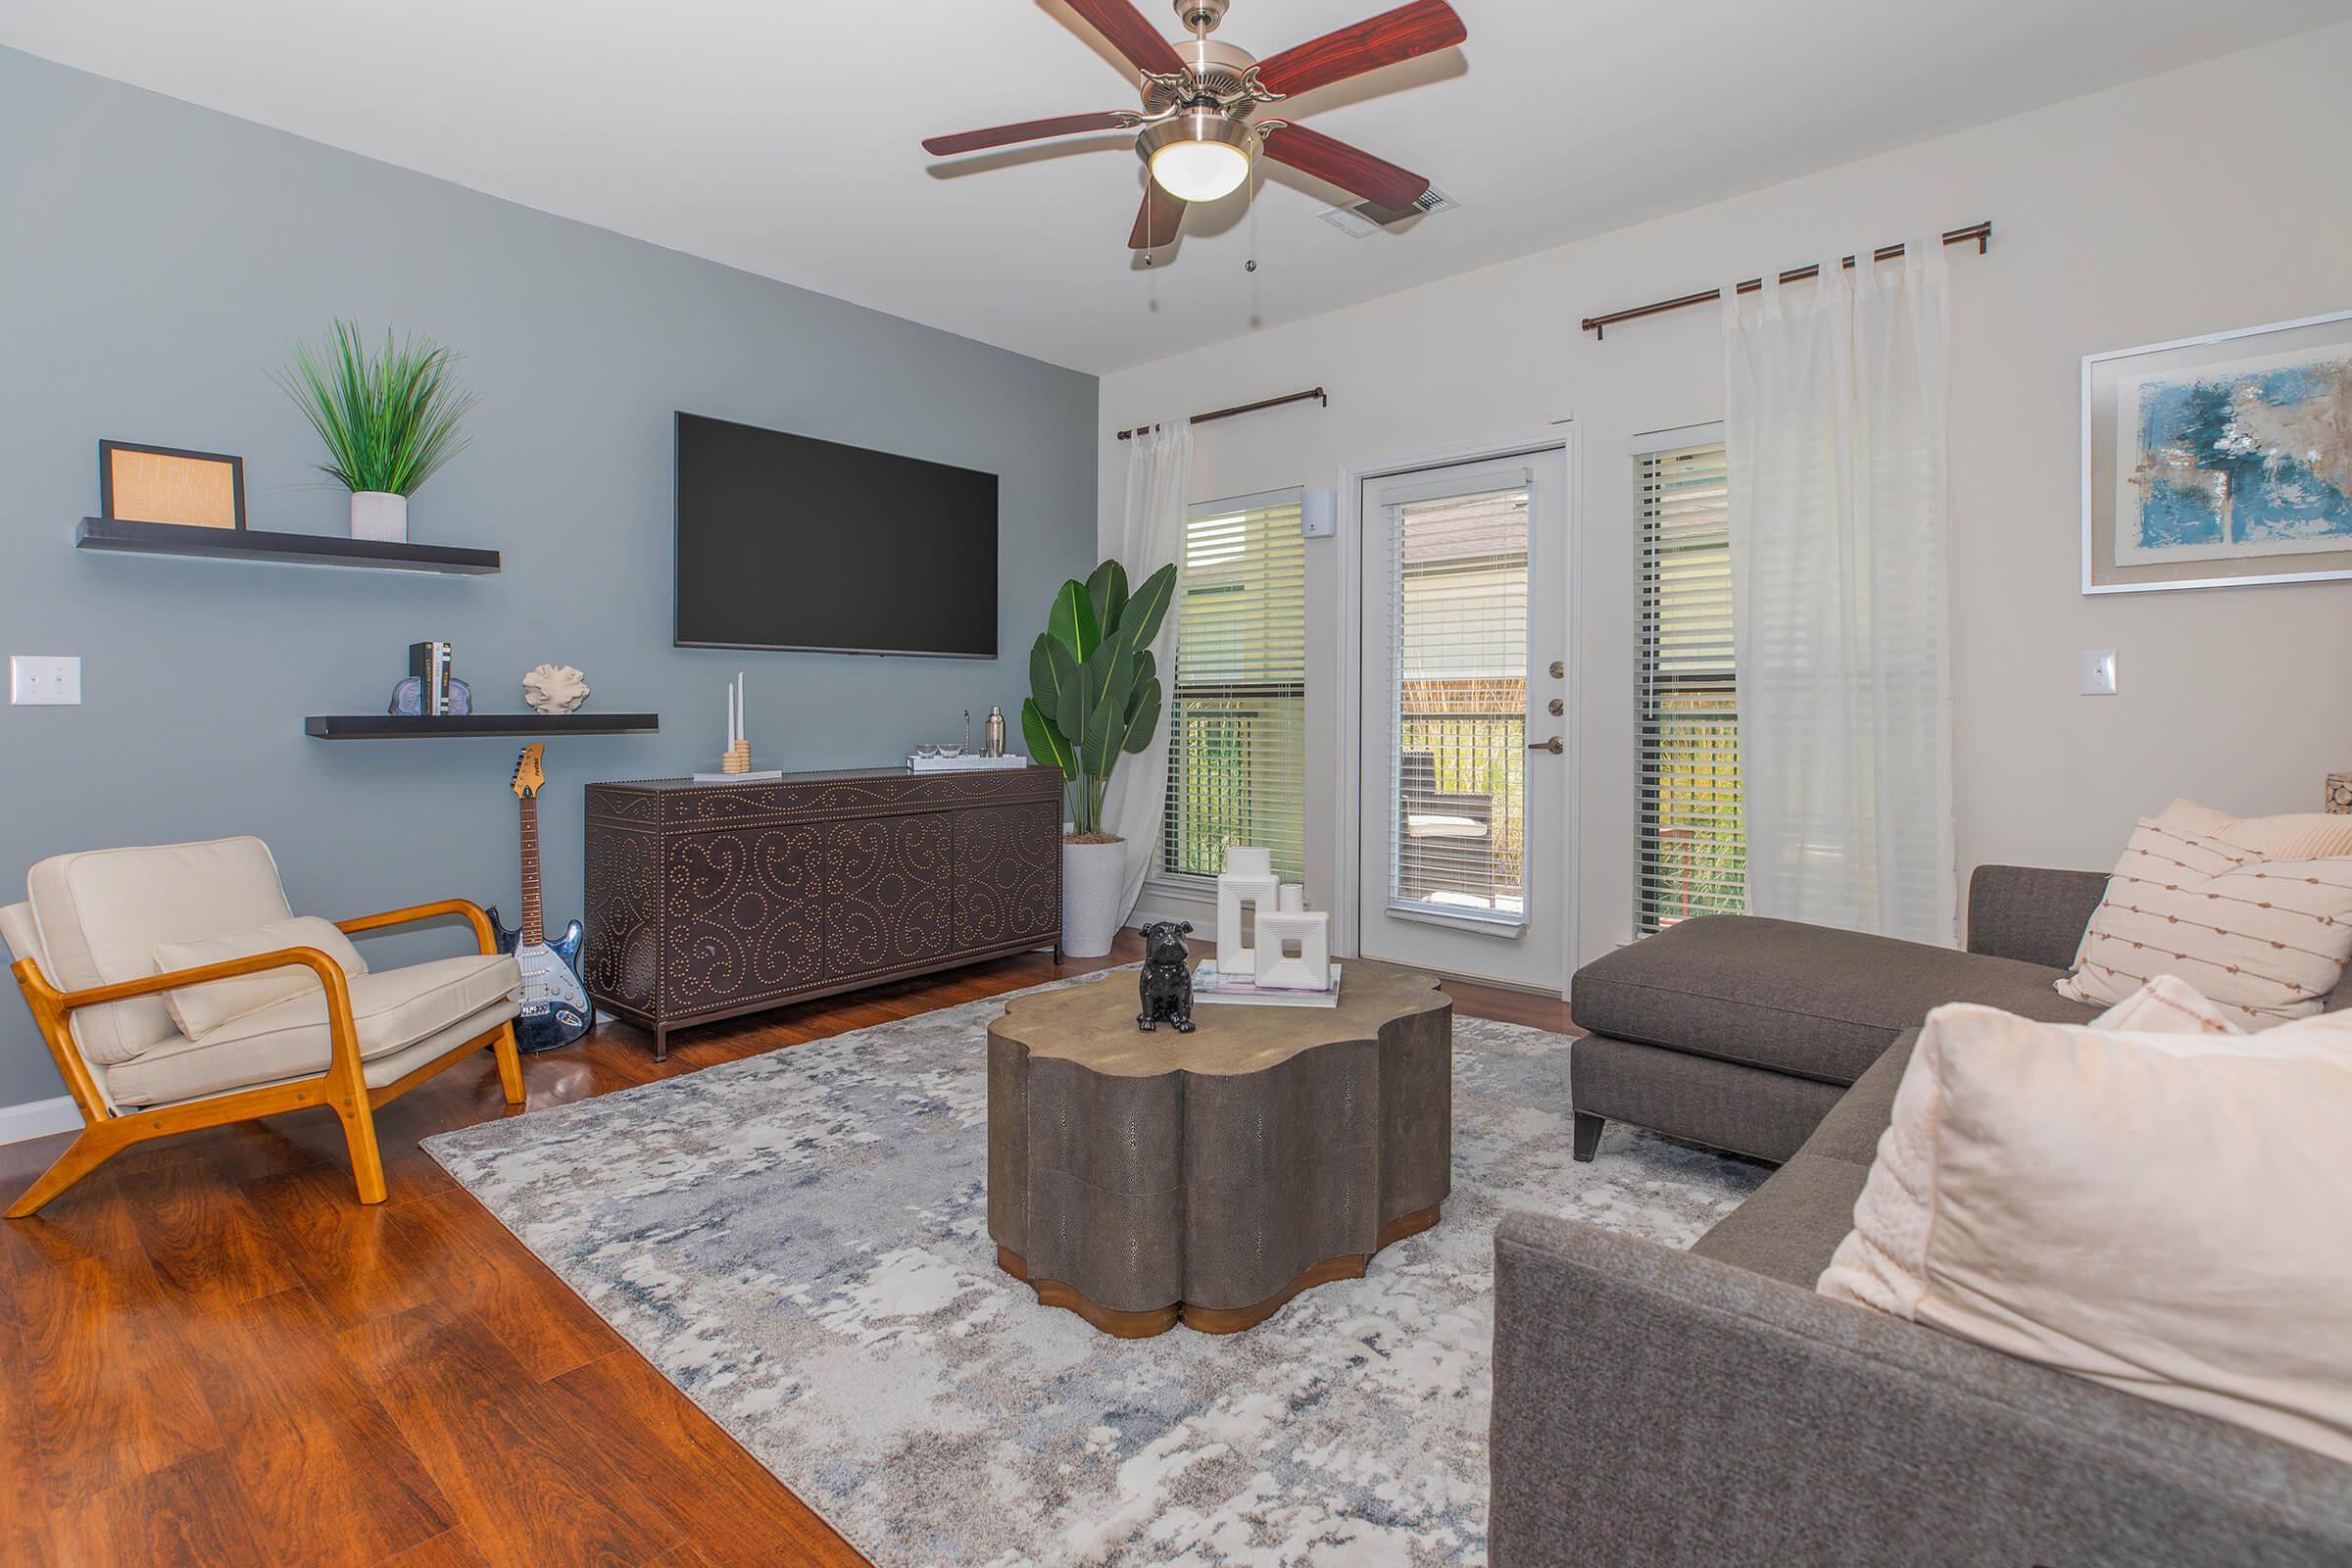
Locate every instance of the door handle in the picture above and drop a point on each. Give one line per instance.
(1555, 746)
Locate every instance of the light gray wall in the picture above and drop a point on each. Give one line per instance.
(155, 261)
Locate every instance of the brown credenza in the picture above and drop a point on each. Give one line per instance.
(707, 901)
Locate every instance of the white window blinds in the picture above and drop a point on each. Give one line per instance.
(1237, 699)
(1693, 854)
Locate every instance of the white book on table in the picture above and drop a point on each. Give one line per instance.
(1211, 987)
(768, 777)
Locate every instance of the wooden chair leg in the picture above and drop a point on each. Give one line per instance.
(81, 1156)
(367, 1159)
(510, 1063)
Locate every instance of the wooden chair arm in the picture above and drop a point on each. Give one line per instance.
(484, 938)
(52, 1009)
(330, 972)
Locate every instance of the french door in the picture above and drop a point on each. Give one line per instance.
(1465, 761)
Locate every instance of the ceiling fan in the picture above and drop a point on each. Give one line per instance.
(1198, 131)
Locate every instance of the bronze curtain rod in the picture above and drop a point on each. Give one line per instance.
(1598, 326)
(1317, 393)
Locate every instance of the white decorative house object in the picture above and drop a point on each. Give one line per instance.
(1293, 924)
(379, 515)
(1248, 879)
(554, 689)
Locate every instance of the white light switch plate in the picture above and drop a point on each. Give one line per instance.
(40, 679)
(2098, 672)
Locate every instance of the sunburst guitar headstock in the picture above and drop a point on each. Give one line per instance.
(529, 775)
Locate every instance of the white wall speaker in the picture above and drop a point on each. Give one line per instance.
(1319, 514)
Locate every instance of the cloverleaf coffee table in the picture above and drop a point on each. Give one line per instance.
(1143, 1180)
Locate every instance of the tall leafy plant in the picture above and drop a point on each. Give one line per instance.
(390, 419)
(1094, 693)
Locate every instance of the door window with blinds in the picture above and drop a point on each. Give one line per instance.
(1237, 703)
(1458, 590)
(1693, 853)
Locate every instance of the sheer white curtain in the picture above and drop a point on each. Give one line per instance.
(1159, 470)
(1841, 511)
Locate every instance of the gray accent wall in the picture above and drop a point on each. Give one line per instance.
(155, 259)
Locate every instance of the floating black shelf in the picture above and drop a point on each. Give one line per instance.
(400, 727)
(297, 549)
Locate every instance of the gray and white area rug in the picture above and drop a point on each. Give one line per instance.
(799, 1241)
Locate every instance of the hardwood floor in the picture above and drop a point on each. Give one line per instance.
(210, 1353)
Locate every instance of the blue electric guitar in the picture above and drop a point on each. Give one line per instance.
(555, 1005)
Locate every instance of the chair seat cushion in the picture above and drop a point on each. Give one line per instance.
(392, 1011)
(1797, 999)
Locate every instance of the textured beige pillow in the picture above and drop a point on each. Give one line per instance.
(2241, 908)
(2166, 1005)
(2162, 1212)
(200, 1009)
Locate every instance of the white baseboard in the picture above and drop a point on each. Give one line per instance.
(38, 1119)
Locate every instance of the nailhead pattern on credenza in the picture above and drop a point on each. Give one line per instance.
(705, 901)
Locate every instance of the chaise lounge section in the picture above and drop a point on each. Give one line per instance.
(1662, 1407)
(1745, 1033)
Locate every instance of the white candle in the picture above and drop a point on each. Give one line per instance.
(743, 711)
(730, 718)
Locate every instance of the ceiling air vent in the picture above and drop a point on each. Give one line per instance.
(1365, 218)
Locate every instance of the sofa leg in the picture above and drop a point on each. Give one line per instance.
(1588, 1135)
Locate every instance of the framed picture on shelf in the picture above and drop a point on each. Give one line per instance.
(139, 483)
(2220, 462)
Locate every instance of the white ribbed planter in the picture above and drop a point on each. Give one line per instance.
(379, 515)
(1092, 878)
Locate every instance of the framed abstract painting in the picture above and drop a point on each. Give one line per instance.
(2220, 462)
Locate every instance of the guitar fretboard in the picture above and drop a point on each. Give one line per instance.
(533, 928)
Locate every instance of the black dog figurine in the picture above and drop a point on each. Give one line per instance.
(1166, 984)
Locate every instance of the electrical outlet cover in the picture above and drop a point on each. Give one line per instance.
(44, 680)
(2098, 672)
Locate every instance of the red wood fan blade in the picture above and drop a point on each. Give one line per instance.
(1156, 220)
(1348, 167)
(971, 141)
(1130, 34)
(1383, 40)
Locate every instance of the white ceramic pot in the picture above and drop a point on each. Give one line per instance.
(1093, 876)
(379, 515)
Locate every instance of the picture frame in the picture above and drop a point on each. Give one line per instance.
(2222, 460)
(142, 484)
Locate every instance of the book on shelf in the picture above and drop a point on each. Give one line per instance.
(1211, 987)
(430, 663)
(769, 776)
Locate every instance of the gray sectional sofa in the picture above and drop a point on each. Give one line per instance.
(1662, 1407)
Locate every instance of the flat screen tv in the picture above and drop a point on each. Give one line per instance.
(788, 542)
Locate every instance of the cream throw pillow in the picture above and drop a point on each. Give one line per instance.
(2255, 913)
(2166, 1005)
(201, 1009)
(2164, 1213)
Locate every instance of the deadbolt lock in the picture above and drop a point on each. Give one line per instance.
(1557, 707)
(1559, 668)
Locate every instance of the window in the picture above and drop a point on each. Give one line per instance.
(1237, 699)
(1693, 853)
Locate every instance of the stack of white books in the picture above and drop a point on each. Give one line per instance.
(1210, 985)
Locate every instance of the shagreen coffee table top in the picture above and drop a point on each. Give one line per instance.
(1144, 1178)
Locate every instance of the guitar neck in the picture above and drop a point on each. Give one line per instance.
(534, 930)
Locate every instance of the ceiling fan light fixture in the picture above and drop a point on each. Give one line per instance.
(1199, 155)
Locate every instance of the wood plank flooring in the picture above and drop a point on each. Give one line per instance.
(210, 1353)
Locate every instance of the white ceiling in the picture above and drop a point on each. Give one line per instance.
(781, 135)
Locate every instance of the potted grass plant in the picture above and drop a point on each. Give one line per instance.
(390, 419)
(1094, 697)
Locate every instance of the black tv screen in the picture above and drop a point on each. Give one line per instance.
(788, 542)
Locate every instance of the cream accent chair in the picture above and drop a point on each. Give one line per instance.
(272, 1038)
